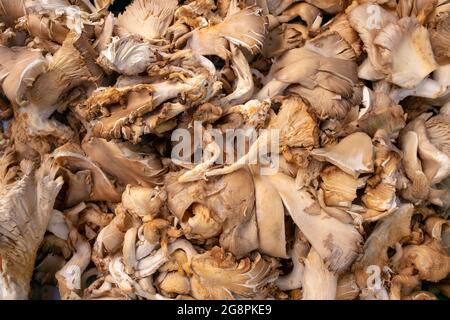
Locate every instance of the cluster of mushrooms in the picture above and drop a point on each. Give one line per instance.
(92, 206)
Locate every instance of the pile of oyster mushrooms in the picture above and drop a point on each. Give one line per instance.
(92, 206)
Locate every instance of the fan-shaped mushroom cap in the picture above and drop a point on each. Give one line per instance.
(230, 202)
(408, 57)
(353, 154)
(245, 28)
(149, 19)
(336, 242)
(387, 233)
(127, 55)
(72, 158)
(26, 205)
(217, 275)
(144, 168)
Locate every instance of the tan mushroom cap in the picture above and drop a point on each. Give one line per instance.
(353, 154)
(217, 275)
(149, 19)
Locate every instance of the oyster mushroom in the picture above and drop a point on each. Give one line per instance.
(408, 38)
(270, 218)
(72, 157)
(294, 279)
(217, 275)
(336, 242)
(353, 154)
(339, 189)
(389, 231)
(144, 168)
(148, 19)
(245, 28)
(316, 275)
(11, 11)
(227, 205)
(330, 89)
(26, 206)
(143, 201)
(127, 55)
(175, 282)
(69, 277)
(430, 261)
(424, 141)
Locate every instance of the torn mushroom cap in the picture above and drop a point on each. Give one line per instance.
(318, 282)
(429, 260)
(269, 217)
(69, 277)
(336, 242)
(245, 28)
(297, 124)
(388, 231)
(144, 168)
(73, 64)
(217, 275)
(339, 187)
(121, 112)
(294, 126)
(143, 201)
(26, 205)
(72, 158)
(149, 19)
(407, 55)
(18, 71)
(10, 11)
(128, 56)
(293, 280)
(230, 202)
(321, 72)
(47, 24)
(353, 154)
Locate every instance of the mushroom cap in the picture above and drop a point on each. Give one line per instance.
(353, 154)
(218, 275)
